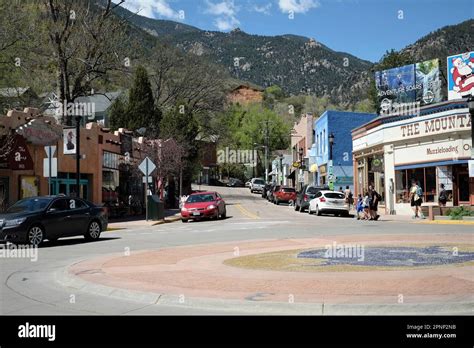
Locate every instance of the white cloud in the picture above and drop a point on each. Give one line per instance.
(152, 8)
(265, 9)
(297, 6)
(226, 13)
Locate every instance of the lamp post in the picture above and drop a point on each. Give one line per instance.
(330, 166)
(78, 156)
(281, 169)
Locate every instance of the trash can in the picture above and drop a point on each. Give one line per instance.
(156, 208)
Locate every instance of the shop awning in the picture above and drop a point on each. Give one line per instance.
(430, 164)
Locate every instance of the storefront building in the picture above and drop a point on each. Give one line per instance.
(432, 148)
(339, 124)
(108, 167)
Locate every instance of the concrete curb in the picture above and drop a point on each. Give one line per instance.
(172, 218)
(236, 307)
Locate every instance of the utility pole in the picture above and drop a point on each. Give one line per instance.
(78, 156)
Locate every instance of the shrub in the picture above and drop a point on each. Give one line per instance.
(458, 213)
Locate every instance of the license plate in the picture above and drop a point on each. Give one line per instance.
(196, 213)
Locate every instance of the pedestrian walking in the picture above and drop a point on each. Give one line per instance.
(359, 206)
(375, 198)
(366, 204)
(443, 196)
(348, 196)
(416, 199)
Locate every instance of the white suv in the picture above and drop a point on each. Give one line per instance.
(257, 185)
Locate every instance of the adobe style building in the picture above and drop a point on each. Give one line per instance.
(108, 168)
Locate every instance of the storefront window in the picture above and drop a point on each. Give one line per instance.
(426, 177)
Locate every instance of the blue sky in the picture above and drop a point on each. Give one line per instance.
(364, 28)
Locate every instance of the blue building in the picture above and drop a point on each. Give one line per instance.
(340, 124)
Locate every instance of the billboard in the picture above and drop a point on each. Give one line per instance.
(409, 84)
(460, 75)
(69, 141)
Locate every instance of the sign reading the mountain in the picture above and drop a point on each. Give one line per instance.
(147, 166)
(460, 75)
(414, 83)
(437, 125)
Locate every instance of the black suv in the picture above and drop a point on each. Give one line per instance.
(32, 220)
(306, 194)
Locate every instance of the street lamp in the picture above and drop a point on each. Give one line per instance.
(281, 169)
(331, 143)
(266, 159)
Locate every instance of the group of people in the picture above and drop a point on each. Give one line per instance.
(367, 204)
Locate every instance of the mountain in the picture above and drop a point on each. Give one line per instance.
(296, 63)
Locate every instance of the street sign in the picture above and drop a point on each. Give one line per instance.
(48, 152)
(150, 179)
(54, 167)
(147, 166)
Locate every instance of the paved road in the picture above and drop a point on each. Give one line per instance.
(29, 288)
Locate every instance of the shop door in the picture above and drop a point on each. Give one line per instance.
(68, 187)
(463, 187)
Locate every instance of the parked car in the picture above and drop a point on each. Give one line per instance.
(284, 194)
(247, 184)
(329, 202)
(270, 196)
(307, 193)
(257, 185)
(32, 220)
(234, 182)
(203, 205)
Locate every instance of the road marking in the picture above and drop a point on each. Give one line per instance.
(246, 212)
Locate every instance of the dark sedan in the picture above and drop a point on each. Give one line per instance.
(32, 220)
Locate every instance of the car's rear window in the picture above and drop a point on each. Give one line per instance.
(334, 195)
(312, 190)
(200, 198)
(288, 189)
(259, 182)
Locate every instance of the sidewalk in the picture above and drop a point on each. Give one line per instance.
(171, 215)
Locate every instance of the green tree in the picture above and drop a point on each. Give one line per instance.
(141, 110)
(180, 124)
(117, 114)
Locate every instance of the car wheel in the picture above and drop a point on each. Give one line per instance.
(184, 220)
(93, 231)
(317, 211)
(35, 235)
(224, 214)
(310, 212)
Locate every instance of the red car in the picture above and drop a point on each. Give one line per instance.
(284, 194)
(203, 205)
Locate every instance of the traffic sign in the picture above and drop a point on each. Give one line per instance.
(54, 167)
(150, 179)
(147, 166)
(50, 150)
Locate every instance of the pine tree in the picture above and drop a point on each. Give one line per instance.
(117, 115)
(141, 110)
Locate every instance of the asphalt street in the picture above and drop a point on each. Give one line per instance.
(36, 288)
